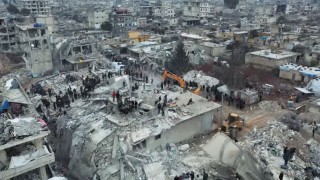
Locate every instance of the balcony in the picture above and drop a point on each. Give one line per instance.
(31, 165)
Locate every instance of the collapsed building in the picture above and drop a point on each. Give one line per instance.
(107, 138)
(23, 144)
(76, 53)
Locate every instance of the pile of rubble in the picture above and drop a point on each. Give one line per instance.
(200, 78)
(267, 144)
(292, 120)
(20, 128)
(269, 106)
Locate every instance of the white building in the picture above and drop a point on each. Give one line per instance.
(37, 7)
(97, 17)
(196, 9)
(165, 10)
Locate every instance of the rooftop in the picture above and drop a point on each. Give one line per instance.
(279, 54)
(308, 71)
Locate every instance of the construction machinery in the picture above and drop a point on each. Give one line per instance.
(232, 125)
(167, 74)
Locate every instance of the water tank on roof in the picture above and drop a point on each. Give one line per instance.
(37, 25)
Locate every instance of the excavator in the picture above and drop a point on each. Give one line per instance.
(167, 74)
(232, 125)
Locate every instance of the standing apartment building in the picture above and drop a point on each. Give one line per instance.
(197, 9)
(124, 18)
(8, 39)
(37, 7)
(97, 16)
(34, 42)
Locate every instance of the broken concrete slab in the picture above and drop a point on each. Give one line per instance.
(154, 171)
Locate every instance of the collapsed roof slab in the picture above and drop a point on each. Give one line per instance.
(223, 149)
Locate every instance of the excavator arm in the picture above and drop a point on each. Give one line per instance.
(170, 75)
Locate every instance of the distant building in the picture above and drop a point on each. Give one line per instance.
(96, 17)
(213, 49)
(267, 59)
(37, 7)
(313, 56)
(125, 19)
(298, 73)
(196, 9)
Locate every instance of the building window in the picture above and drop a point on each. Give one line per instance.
(157, 137)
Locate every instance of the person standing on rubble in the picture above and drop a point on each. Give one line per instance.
(314, 128)
(281, 176)
(162, 109)
(113, 95)
(118, 96)
(205, 175)
(159, 108)
(192, 175)
(161, 85)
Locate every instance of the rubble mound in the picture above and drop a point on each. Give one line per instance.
(292, 120)
(267, 144)
(269, 105)
(201, 78)
(9, 62)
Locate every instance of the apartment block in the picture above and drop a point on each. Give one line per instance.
(96, 17)
(37, 7)
(196, 9)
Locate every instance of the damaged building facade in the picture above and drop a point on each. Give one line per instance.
(23, 136)
(8, 33)
(34, 42)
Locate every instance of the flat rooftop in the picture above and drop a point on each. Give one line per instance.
(308, 71)
(279, 54)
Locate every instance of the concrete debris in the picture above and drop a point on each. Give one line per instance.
(200, 78)
(269, 105)
(154, 171)
(267, 144)
(224, 150)
(292, 120)
(18, 161)
(58, 178)
(184, 147)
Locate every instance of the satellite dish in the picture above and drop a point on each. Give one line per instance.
(32, 45)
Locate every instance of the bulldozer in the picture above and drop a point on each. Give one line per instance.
(167, 74)
(232, 125)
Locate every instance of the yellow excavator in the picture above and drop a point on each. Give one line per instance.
(232, 125)
(167, 74)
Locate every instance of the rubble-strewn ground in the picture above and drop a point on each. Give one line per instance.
(267, 144)
(10, 62)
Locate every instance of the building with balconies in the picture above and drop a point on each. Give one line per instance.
(37, 7)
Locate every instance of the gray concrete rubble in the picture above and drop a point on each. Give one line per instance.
(95, 136)
(224, 150)
(267, 145)
(200, 78)
(269, 105)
